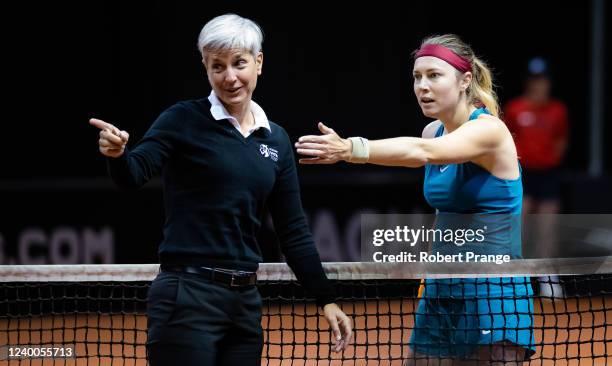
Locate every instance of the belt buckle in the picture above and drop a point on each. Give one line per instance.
(240, 275)
(232, 282)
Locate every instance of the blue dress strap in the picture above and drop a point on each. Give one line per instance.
(478, 112)
(440, 130)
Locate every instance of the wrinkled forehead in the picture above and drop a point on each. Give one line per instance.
(426, 63)
(226, 54)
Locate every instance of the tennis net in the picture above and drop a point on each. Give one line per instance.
(98, 311)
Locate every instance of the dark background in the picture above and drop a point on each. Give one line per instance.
(349, 66)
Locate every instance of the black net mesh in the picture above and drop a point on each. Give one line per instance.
(104, 322)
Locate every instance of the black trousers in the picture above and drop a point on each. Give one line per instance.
(196, 322)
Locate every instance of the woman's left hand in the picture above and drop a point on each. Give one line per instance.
(340, 325)
(328, 148)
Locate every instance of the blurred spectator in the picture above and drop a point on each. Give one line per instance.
(539, 124)
(540, 127)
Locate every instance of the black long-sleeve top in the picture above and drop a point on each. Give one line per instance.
(216, 183)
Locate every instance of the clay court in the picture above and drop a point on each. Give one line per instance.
(579, 335)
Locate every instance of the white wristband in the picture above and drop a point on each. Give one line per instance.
(361, 150)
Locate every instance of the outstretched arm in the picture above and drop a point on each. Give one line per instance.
(132, 168)
(467, 142)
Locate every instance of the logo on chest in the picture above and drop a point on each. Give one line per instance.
(268, 152)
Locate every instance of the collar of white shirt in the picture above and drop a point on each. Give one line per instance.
(218, 111)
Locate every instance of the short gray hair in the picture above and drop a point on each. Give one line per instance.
(230, 31)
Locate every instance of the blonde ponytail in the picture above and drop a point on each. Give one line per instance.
(481, 89)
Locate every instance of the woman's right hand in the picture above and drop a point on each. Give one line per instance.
(112, 140)
(327, 148)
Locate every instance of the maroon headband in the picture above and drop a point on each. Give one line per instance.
(445, 54)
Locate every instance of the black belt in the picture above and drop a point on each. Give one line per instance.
(230, 278)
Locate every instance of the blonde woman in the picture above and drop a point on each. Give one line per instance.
(471, 167)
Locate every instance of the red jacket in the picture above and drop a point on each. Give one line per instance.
(537, 130)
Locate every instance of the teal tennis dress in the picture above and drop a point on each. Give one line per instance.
(457, 316)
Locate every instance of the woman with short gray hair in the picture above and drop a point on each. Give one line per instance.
(221, 162)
